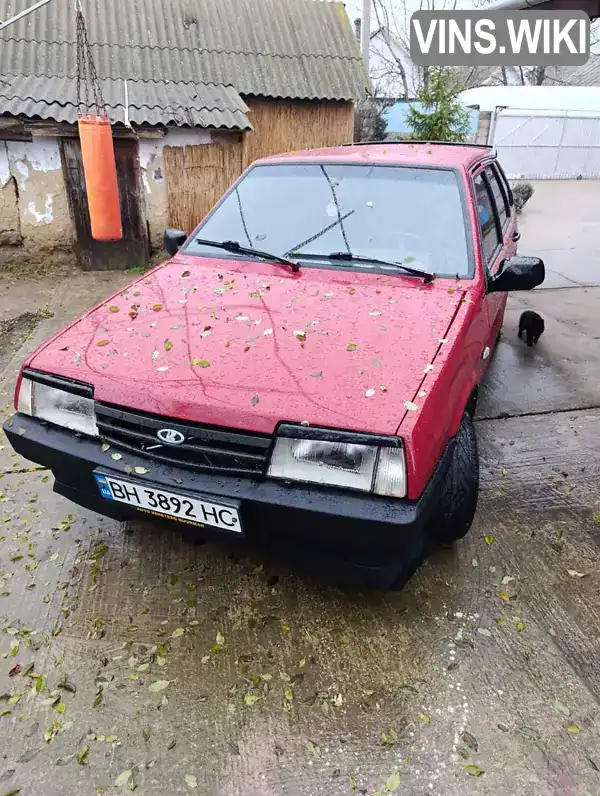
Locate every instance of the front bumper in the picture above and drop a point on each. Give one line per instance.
(348, 536)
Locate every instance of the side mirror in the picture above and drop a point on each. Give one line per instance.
(174, 240)
(518, 273)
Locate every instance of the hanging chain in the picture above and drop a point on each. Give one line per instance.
(87, 77)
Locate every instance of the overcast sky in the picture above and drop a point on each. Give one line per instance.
(354, 7)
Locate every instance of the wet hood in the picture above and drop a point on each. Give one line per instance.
(246, 345)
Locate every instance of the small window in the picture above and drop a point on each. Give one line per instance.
(490, 239)
(499, 195)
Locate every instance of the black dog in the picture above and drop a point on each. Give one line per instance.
(532, 325)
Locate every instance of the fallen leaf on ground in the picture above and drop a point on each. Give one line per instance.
(574, 574)
(82, 756)
(191, 781)
(474, 771)
(424, 717)
(178, 632)
(314, 750)
(123, 778)
(489, 539)
(250, 699)
(393, 783)
(560, 707)
(574, 729)
(159, 685)
(504, 596)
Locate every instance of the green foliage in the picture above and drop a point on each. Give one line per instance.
(441, 117)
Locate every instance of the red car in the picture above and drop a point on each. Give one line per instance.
(303, 372)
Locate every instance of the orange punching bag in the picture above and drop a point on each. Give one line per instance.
(100, 170)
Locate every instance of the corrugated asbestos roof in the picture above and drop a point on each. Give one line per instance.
(149, 103)
(297, 49)
(588, 74)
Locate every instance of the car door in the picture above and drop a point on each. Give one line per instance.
(497, 234)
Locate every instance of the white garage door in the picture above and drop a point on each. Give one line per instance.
(548, 145)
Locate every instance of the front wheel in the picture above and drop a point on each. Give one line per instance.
(458, 499)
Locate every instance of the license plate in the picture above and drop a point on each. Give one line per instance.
(159, 502)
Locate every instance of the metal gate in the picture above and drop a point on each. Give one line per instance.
(548, 145)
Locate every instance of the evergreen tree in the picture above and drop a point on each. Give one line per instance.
(441, 116)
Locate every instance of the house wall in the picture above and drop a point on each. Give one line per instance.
(34, 210)
(197, 177)
(152, 168)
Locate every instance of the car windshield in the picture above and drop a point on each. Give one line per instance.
(307, 211)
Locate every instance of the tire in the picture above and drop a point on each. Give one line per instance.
(458, 498)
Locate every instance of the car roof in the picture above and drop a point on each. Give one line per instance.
(401, 153)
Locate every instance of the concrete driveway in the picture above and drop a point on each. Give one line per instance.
(136, 658)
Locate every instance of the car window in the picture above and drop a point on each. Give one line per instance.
(498, 193)
(490, 239)
(504, 181)
(309, 210)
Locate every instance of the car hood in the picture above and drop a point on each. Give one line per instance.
(246, 345)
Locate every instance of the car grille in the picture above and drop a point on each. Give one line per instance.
(206, 449)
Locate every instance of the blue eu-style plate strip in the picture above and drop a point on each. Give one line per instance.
(103, 486)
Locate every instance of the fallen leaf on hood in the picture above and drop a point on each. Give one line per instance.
(574, 574)
(443, 340)
(201, 363)
(113, 308)
(352, 291)
(370, 392)
(255, 400)
(412, 407)
(116, 456)
(104, 447)
(168, 345)
(185, 274)
(157, 307)
(422, 393)
(383, 387)
(300, 336)
(428, 367)
(140, 470)
(316, 374)
(351, 347)
(162, 370)
(268, 332)
(103, 342)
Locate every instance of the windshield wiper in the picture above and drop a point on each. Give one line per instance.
(355, 258)
(235, 248)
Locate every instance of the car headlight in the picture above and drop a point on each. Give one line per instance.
(369, 464)
(71, 407)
